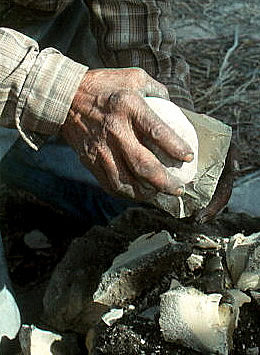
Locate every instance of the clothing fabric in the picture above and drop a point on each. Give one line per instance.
(42, 66)
(46, 47)
(54, 173)
(37, 86)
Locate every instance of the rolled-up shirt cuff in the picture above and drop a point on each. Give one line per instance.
(46, 96)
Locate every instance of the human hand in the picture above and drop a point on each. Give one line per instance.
(108, 124)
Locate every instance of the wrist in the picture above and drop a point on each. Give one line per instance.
(46, 98)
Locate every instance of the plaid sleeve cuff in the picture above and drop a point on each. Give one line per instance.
(47, 95)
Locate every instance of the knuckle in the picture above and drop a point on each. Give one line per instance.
(143, 168)
(157, 132)
(118, 97)
(124, 100)
(139, 76)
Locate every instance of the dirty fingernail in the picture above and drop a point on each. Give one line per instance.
(180, 191)
(189, 157)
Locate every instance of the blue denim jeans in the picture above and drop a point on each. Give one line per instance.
(55, 175)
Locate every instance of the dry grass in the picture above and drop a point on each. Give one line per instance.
(225, 70)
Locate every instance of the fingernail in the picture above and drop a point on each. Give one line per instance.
(180, 191)
(189, 157)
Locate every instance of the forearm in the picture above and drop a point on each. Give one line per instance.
(36, 88)
(139, 33)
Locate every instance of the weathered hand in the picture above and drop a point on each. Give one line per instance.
(223, 190)
(107, 125)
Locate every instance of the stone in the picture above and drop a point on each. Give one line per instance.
(36, 240)
(252, 351)
(149, 255)
(209, 139)
(195, 262)
(237, 298)
(243, 198)
(204, 242)
(150, 313)
(202, 322)
(256, 296)
(112, 316)
(243, 261)
(68, 301)
(10, 320)
(213, 276)
(36, 341)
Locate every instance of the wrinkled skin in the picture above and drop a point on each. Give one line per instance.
(107, 124)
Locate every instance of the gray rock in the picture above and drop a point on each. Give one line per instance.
(150, 313)
(146, 259)
(256, 296)
(36, 240)
(213, 277)
(112, 316)
(252, 351)
(202, 322)
(243, 261)
(10, 320)
(68, 301)
(36, 341)
(195, 262)
(204, 242)
(244, 196)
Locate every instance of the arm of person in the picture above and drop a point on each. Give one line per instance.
(139, 33)
(108, 119)
(37, 87)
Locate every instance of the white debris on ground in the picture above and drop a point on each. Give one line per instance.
(37, 341)
(243, 260)
(112, 316)
(204, 322)
(199, 321)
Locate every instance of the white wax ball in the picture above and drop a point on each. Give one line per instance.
(172, 115)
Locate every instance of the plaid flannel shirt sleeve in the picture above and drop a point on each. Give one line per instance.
(36, 88)
(138, 33)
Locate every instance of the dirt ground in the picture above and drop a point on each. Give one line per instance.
(31, 269)
(221, 42)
